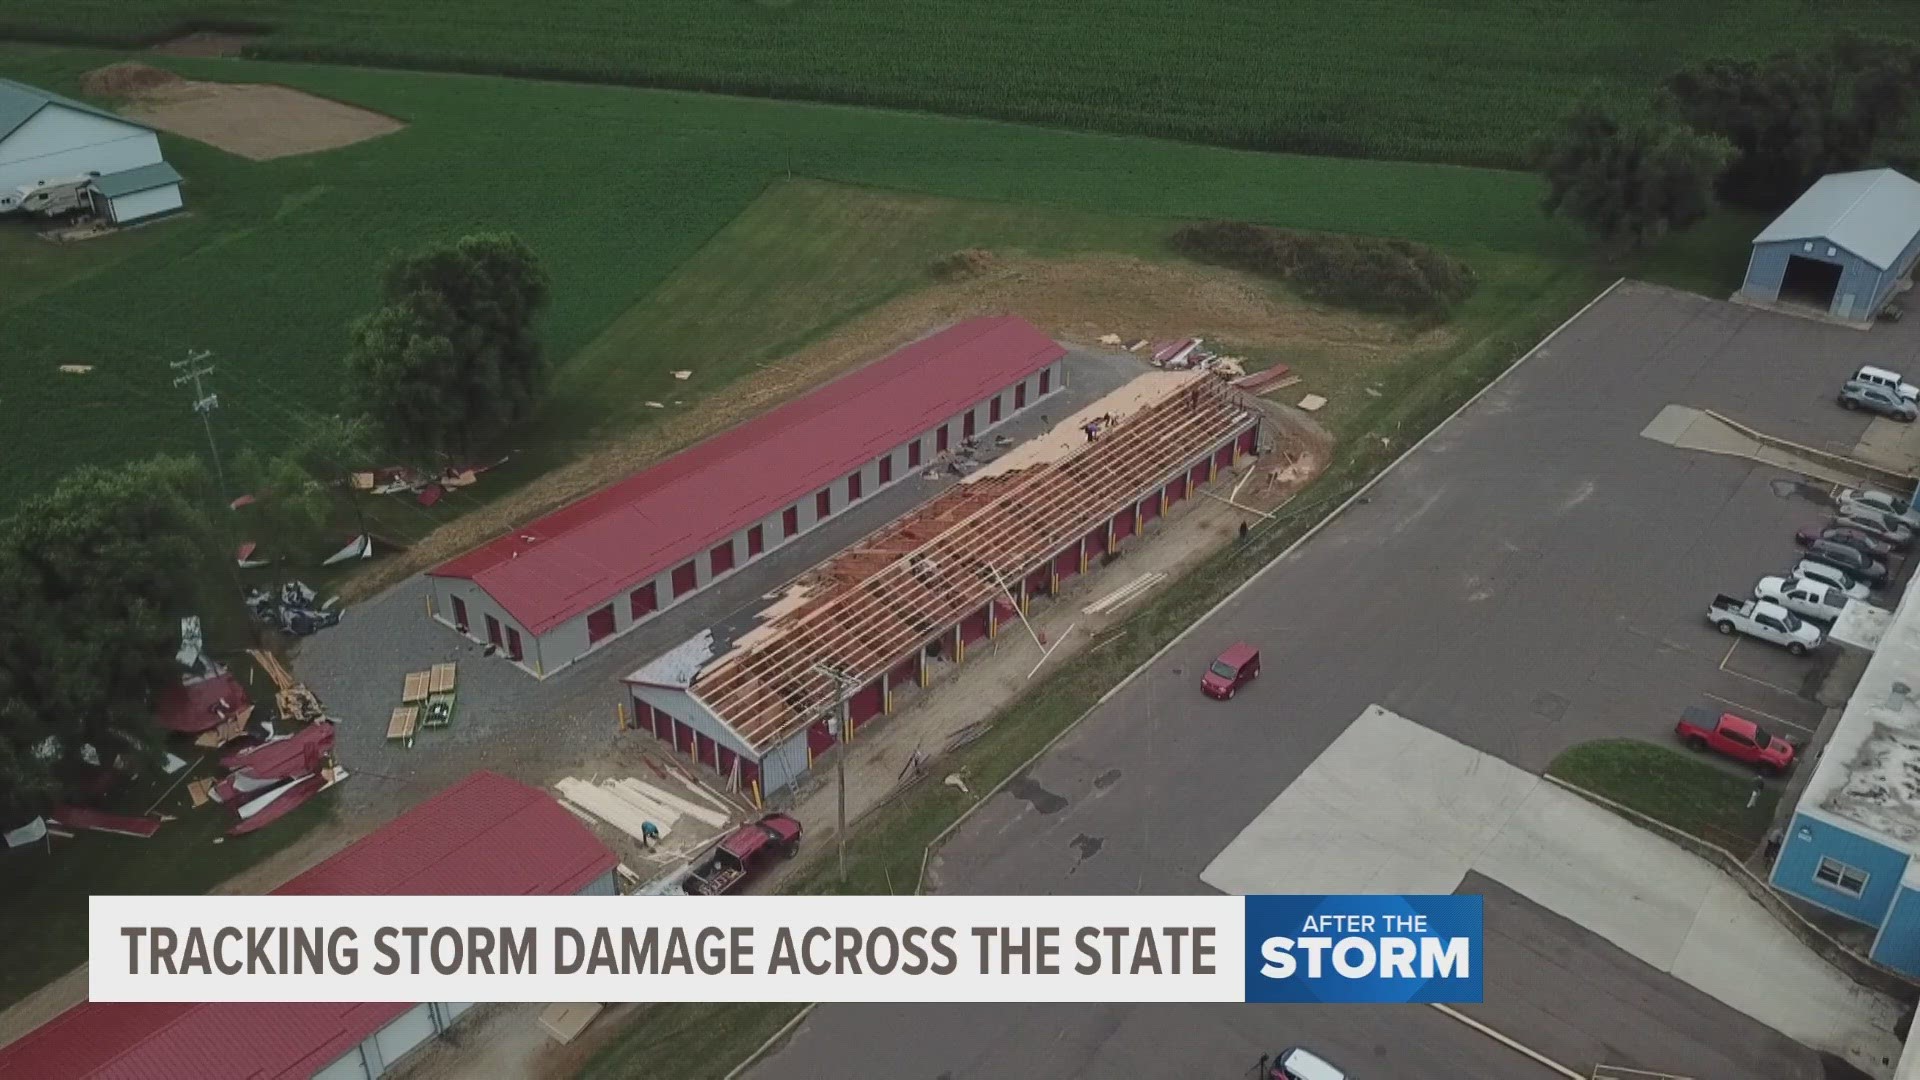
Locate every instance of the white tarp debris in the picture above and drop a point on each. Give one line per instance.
(192, 641)
(683, 376)
(29, 833)
(46, 749)
(361, 547)
(173, 764)
(270, 797)
(1312, 403)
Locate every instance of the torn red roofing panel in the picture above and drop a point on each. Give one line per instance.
(191, 710)
(575, 559)
(486, 835)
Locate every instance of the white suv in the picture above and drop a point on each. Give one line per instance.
(1892, 380)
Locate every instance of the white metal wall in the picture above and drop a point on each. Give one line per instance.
(144, 204)
(567, 642)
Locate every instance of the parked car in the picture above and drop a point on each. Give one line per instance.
(1299, 1063)
(1876, 524)
(1765, 620)
(1900, 510)
(1805, 598)
(1735, 737)
(1235, 668)
(1864, 568)
(1888, 380)
(1844, 534)
(1877, 399)
(1829, 574)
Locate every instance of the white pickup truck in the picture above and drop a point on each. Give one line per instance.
(1807, 599)
(1765, 620)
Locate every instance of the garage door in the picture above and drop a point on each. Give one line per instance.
(1067, 563)
(866, 704)
(1149, 508)
(974, 627)
(1176, 490)
(1097, 543)
(600, 624)
(1122, 525)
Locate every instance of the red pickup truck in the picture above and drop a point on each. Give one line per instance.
(743, 851)
(1735, 737)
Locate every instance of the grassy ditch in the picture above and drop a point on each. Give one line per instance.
(1689, 793)
(885, 851)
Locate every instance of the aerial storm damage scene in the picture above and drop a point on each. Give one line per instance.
(1457, 461)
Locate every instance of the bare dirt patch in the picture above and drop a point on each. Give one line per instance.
(207, 43)
(257, 121)
(1077, 300)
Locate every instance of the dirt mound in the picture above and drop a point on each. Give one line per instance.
(965, 263)
(126, 79)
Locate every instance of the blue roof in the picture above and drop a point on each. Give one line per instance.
(144, 178)
(19, 103)
(1874, 214)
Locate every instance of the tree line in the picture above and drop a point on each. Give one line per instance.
(96, 573)
(1746, 133)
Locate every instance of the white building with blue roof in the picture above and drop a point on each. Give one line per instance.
(47, 140)
(1841, 249)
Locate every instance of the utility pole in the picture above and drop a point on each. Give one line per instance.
(843, 685)
(192, 370)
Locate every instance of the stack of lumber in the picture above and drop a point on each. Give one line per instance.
(1123, 595)
(230, 729)
(626, 804)
(415, 690)
(294, 700)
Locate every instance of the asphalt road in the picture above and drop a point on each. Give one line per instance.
(1534, 577)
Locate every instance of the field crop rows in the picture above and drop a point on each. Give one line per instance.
(615, 189)
(1466, 82)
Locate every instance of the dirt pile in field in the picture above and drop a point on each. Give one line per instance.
(125, 79)
(965, 263)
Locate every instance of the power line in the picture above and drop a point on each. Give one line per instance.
(193, 369)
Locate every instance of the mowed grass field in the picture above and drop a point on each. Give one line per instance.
(1467, 81)
(629, 196)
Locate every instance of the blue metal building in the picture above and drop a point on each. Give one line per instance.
(1852, 843)
(1842, 248)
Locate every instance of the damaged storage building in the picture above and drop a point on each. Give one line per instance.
(1852, 842)
(554, 590)
(485, 836)
(917, 594)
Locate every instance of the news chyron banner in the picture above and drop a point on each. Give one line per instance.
(781, 948)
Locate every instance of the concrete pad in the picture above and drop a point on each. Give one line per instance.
(1584, 863)
(1671, 425)
(1753, 964)
(1390, 807)
(1890, 444)
(1693, 429)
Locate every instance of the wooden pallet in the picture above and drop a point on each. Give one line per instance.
(416, 687)
(402, 724)
(440, 680)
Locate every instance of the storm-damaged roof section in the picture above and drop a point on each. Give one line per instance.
(1869, 772)
(905, 584)
(677, 666)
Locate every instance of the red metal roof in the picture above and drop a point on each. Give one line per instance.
(584, 555)
(190, 710)
(486, 835)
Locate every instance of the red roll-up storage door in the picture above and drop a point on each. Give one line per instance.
(1223, 458)
(1199, 474)
(819, 739)
(1097, 543)
(974, 627)
(1176, 490)
(1122, 525)
(1250, 441)
(905, 673)
(1040, 581)
(866, 704)
(683, 738)
(728, 759)
(1149, 508)
(750, 777)
(709, 755)
(600, 624)
(1067, 563)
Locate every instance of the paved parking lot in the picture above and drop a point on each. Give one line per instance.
(1535, 576)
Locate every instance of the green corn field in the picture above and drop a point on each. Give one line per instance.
(1459, 81)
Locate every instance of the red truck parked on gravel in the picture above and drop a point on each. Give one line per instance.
(744, 851)
(1735, 737)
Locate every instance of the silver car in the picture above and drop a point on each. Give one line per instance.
(1874, 523)
(1886, 503)
(1877, 399)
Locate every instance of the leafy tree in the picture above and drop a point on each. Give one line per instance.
(94, 577)
(1629, 182)
(1798, 115)
(449, 358)
(294, 509)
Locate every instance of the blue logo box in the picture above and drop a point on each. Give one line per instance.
(1388, 949)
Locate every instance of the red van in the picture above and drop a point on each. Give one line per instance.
(1236, 667)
